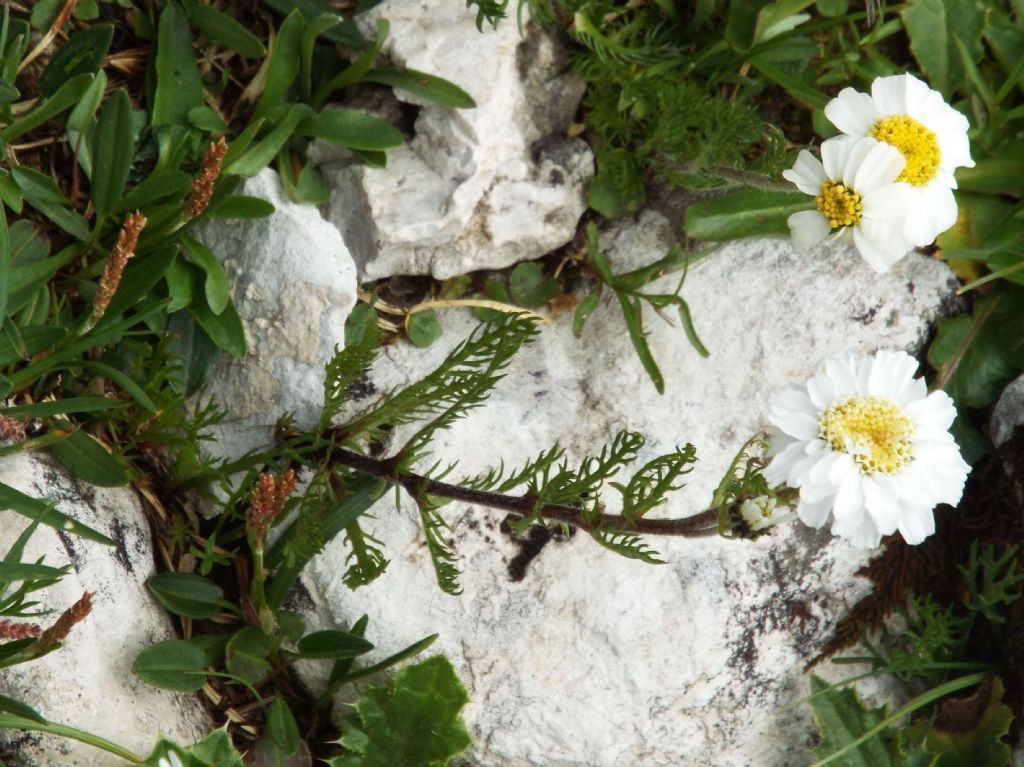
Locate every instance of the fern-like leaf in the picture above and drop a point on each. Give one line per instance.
(496, 480)
(650, 486)
(457, 385)
(629, 545)
(349, 365)
(442, 556)
(366, 561)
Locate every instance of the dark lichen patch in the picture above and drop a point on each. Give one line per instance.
(530, 545)
(121, 546)
(67, 542)
(867, 317)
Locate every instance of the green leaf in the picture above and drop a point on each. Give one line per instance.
(241, 206)
(423, 328)
(355, 71)
(346, 33)
(206, 120)
(978, 741)
(353, 129)
(173, 664)
(45, 513)
(155, 187)
(415, 722)
(841, 718)
(186, 594)
(281, 726)
(63, 406)
(84, 456)
(217, 289)
(285, 59)
(69, 94)
(421, 84)
(530, 287)
(320, 24)
(632, 313)
(179, 88)
(216, 750)
(224, 329)
(583, 311)
(331, 645)
(82, 54)
(5, 263)
(744, 213)
(198, 353)
(16, 707)
(976, 356)
(139, 278)
(114, 151)
(933, 27)
(43, 194)
(260, 155)
(224, 30)
(246, 655)
(11, 572)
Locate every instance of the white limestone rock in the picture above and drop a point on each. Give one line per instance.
(88, 683)
(476, 188)
(1008, 413)
(294, 285)
(592, 660)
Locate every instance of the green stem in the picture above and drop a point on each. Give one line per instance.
(920, 701)
(10, 721)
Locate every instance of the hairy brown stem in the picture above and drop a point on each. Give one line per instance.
(703, 524)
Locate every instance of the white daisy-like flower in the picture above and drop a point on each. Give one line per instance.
(856, 195)
(867, 445)
(170, 760)
(762, 512)
(930, 134)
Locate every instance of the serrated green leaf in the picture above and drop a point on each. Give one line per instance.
(426, 86)
(933, 27)
(841, 718)
(179, 88)
(744, 213)
(186, 594)
(216, 750)
(416, 721)
(977, 355)
(173, 664)
(977, 743)
(84, 456)
(114, 151)
(353, 129)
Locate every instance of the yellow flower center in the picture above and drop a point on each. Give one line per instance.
(839, 204)
(916, 143)
(874, 430)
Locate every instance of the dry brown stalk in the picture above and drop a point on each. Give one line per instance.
(268, 499)
(59, 631)
(209, 170)
(127, 239)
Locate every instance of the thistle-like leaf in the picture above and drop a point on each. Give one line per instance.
(650, 486)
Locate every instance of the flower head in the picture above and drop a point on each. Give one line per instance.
(866, 444)
(856, 196)
(905, 113)
(762, 512)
